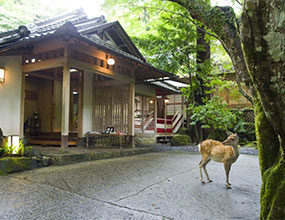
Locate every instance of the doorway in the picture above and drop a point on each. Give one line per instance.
(43, 106)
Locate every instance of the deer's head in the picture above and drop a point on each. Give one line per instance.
(232, 139)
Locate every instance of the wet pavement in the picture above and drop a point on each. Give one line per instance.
(149, 186)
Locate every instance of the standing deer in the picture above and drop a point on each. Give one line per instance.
(226, 152)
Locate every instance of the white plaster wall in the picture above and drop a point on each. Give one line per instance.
(87, 102)
(10, 95)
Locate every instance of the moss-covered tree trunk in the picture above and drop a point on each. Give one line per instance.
(258, 55)
(263, 38)
(272, 166)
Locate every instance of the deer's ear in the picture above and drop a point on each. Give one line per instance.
(229, 133)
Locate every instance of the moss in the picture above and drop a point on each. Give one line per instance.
(14, 164)
(273, 192)
(180, 140)
(267, 139)
(276, 42)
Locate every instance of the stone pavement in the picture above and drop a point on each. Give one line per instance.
(149, 186)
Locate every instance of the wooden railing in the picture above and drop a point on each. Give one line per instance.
(144, 121)
(149, 119)
(170, 125)
(177, 121)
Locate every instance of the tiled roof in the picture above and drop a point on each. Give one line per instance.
(80, 26)
(166, 86)
(37, 30)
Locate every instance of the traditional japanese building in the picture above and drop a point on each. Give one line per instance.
(70, 75)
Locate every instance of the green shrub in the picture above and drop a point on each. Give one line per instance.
(180, 140)
(144, 140)
(218, 135)
(184, 131)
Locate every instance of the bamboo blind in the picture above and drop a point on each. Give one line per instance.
(111, 106)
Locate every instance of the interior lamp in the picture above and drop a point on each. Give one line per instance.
(111, 61)
(14, 140)
(2, 75)
(166, 101)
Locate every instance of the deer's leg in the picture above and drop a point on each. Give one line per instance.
(227, 169)
(201, 175)
(204, 167)
(202, 164)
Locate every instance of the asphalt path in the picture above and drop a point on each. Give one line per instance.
(149, 186)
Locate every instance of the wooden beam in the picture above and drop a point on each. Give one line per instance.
(65, 105)
(99, 70)
(22, 51)
(46, 64)
(132, 114)
(38, 75)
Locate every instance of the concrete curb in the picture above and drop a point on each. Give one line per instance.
(247, 151)
(58, 160)
(15, 164)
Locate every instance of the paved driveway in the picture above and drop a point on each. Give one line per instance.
(149, 186)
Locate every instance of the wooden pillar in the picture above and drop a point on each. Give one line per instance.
(80, 105)
(22, 111)
(155, 115)
(65, 105)
(143, 98)
(132, 114)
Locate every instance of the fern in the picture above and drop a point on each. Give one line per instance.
(9, 150)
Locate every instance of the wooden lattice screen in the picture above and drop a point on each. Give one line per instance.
(111, 108)
(248, 116)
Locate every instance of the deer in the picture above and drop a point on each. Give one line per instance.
(226, 152)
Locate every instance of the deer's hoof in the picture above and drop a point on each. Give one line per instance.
(210, 181)
(228, 186)
(203, 182)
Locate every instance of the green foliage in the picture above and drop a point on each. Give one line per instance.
(144, 141)
(8, 150)
(180, 140)
(219, 135)
(162, 30)
(213, 114)
(241, 125)
(21, 12)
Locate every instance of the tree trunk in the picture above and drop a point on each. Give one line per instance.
(202, 57)
(272, 167)
(263, 39)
